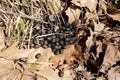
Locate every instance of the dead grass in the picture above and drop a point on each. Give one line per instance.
(20, 17)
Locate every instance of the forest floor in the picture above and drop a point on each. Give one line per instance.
(59, 40)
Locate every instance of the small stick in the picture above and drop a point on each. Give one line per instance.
(18, 14)
(51, 34)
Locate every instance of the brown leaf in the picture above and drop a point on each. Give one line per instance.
(61, 57)
(41, 71)
(112, 55)
(6, 64)
(114, 73)
(9, 74)
(115, 16)
(45, 55)
(73, 14)
(70, 53)
(84, 3)
(14, 53)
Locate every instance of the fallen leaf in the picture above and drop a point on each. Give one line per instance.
(6, 64)
(65, 56)
(14, 53)
(73, 13)
(112, 55)
(84, 3)
(45, 55)
(10, 74)
(115, 16)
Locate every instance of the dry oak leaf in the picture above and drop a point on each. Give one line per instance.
(9, 68)
(6, 64)
(73, 13)
(58, 59)
(12, 52)
(8, 71)
(42, 71)
(31, 74)
(10, 75)
(39, 67)
(71, 52)
(91, 4)
(45, 54)
(112, 55)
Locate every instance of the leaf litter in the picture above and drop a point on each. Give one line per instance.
(94, 53)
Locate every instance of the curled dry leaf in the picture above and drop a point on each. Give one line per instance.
(112, 55)
(84, 3)
(73, 12)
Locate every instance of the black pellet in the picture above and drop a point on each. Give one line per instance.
(38, 55)
(61, 73)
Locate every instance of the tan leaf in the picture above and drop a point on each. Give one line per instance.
(114, 73)
(42, 71)
(14, 53)
(70, 53)
(27, 77)
(112, 55)
(100, 78)
(61, 57)
(84, 3)
(115, 16)
(45, 55)
(73, 13)
(6, 64)
(10, 74)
